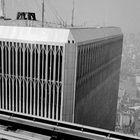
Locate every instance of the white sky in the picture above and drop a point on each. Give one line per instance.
(122, 13)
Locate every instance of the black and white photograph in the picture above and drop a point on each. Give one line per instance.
(69, 69)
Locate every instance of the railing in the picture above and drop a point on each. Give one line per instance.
(58, 129)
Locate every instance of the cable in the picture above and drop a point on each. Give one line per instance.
(59, 18)
(50, 11)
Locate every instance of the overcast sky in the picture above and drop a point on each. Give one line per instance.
(122, 13)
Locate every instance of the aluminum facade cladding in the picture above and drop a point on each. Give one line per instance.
(97, 77)
(38, 68)
(31, 70)
(31, 34)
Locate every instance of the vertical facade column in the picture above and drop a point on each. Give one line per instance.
(35, 82)
(42, 85)
(34, 100)
(27, 81)
(20, 63)
(50, 82)
(31, 77)
(49, 107)
(54, 83)
(19, 94)
(5, 77)
(57, 103)
(46, 81)
(13, 94)
(0, 78)
(57, 106)
(38, 79)
(9, 49)
(13, 79)
(2, 55)
(16, 49)
(62, 79)
(24, 84)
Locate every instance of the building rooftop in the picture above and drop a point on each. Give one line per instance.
(87, 34)
(57, 35)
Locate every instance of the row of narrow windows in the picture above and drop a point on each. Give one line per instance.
(31, 98)
(31, 64)
(91, 58)
(39, 64)
(96, 79)
(101, 74)
(29, 45)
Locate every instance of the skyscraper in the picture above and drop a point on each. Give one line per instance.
(60, 73)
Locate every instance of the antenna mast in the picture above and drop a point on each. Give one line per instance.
(43, 12)
(3, 8)
(72, 18)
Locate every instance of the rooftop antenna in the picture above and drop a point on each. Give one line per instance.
(72, 18)
(43, 12)
(3, 8)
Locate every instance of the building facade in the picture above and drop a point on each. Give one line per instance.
(97, 82)
(64, 74)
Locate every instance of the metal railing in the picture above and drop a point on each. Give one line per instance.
(58, 129)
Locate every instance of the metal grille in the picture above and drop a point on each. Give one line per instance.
(31, 79)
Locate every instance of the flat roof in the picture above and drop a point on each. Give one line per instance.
(57, 35)
(34, 34)
(86, 34)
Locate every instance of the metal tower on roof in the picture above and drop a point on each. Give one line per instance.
(2, 10)
(43, 12)
(72, 18)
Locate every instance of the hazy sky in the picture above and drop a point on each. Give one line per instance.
(122, 13)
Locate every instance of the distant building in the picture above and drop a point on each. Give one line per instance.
(138, 86)
(60, 73)
(137, 122)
